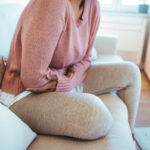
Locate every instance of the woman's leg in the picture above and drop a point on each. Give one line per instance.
(122, 76)
(78, 115)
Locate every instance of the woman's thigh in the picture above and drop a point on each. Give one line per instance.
(74, 114)
(106, 77)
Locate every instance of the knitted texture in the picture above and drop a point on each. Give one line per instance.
(49, 40)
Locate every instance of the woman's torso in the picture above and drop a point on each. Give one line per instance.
(74, 30)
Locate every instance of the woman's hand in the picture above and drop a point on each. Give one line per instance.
(50, 86)
(69, 72)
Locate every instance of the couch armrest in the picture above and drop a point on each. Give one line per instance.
(123, 76)
(106, 44)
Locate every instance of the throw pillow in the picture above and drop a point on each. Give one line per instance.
(14, 133)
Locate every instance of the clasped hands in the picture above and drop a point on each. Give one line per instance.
(51, 85)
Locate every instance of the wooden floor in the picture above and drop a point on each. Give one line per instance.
(143, 116)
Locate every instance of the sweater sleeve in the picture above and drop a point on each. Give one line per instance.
(41, 29)
(79, 69)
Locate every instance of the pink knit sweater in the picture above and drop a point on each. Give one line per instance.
(49, 40)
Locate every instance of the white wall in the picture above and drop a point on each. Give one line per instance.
(9, 15)
(24, 2)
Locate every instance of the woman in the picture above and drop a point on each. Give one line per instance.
(50, 52)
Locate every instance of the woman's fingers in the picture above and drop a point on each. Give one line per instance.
(51, 86)
(36, 90)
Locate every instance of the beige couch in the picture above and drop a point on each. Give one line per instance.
(115, 74)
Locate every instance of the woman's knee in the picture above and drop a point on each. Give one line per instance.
(78, 115)
(94, 119)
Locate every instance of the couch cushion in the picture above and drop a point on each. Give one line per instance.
(119, 137)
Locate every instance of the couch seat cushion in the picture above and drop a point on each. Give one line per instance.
(119, 137)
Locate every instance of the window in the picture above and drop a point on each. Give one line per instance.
(133, 2)
(106, 1)
(24, 2)
(121, 5)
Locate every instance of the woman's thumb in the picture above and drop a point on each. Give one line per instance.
(48, 76)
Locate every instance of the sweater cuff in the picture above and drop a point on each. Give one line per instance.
(63, 84)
